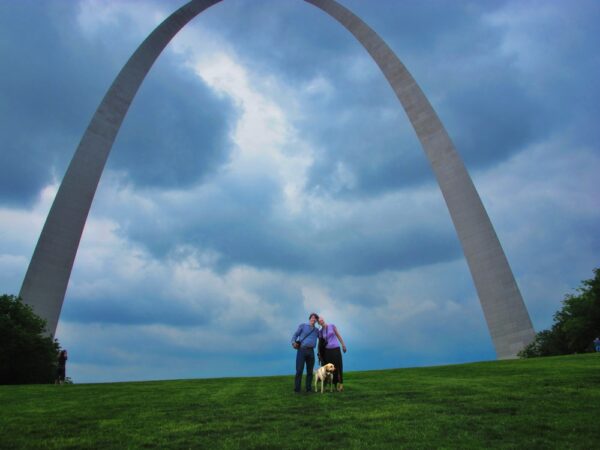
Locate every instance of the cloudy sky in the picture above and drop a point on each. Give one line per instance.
(266, 170)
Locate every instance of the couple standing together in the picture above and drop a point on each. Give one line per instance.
(327, 339)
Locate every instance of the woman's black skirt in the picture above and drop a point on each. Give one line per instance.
(334, 356)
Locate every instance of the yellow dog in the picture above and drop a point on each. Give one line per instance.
(324, 373)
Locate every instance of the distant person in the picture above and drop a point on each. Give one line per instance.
(304, 341)
(62, 367)
(331, 341)
(597, 344)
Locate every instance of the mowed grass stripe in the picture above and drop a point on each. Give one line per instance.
(538, 403)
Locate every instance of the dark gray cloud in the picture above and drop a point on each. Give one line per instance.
(45, 97)
(243, 232)
(491, 114)
(176, 131)
(494, 119)
(135, 309)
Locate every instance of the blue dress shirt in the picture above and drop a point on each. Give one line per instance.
(307, 334)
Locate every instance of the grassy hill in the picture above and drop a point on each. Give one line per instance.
(539, 403)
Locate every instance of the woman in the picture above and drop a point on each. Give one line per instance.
(330, 337)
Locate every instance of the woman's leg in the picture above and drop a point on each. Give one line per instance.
(334, 356)
(340, 370)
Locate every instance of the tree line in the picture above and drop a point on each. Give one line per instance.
(575, 325)
(28, 355)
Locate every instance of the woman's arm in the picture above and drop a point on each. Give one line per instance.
(337, 333)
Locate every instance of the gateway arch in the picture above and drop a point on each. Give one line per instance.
(48, 273)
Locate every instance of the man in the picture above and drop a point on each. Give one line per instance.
(597, 344)
(304, 341)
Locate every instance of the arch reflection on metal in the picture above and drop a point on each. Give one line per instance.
(48, 274)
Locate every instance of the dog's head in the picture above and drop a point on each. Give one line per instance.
(329, 368)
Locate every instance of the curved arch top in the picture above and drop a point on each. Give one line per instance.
(48, 274)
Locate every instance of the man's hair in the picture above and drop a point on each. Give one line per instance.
(313, 314)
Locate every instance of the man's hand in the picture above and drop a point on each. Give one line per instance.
(295, 345)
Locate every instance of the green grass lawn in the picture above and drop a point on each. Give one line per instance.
(538, 403)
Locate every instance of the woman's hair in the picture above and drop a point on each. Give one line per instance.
(313, 314)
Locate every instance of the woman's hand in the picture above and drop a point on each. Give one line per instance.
(344, 348)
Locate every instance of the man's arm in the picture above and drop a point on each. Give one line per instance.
(296, 334)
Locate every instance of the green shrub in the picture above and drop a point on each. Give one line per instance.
(575, 325)
(27, 353)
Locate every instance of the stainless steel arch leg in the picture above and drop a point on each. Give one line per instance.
(503, 307)
(48, 274)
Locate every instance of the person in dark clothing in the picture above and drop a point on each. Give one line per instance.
(62, 367)
(331, 341)
(304, 341)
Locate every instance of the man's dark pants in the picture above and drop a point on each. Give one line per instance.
(304, 355)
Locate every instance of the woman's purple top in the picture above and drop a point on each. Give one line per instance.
(328, 333)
